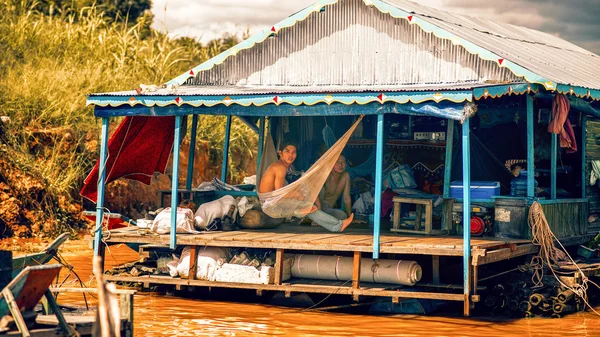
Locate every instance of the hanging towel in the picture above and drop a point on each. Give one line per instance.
(560, 124)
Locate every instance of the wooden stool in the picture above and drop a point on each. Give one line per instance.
(423, 205)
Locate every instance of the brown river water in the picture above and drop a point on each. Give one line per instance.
(161, 315)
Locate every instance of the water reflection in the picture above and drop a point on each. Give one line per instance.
(160, 315)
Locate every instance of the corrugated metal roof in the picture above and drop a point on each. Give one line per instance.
(208, 90)
(544, 54)
(351, 44)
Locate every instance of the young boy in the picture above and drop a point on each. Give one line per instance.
(274, 179)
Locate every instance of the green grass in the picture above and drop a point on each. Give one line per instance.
(49, 64)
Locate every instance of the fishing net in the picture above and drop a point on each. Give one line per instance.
(297, 198)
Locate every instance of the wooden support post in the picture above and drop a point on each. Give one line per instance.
(174, 183)
(126, 310)
(261, 142)
(466, 152)
(475, 276)
(101, 188)
(62, 322)
(378, 183)
(193, 263)
(16, 313)
(428, 218)
(226, 150)
(530, 149)
(190, 169)
(447, 220)
(553, 156)
(467, 300)
(448, 159)
(435, 269)
(584, 180)
(356, 271)
(418, 217)
(356, 276)
(396, 220)
(278, 266)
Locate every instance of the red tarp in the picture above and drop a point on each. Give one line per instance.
(140, 146)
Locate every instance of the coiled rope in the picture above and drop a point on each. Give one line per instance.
(549, 255)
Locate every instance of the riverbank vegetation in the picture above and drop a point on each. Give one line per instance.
(53, 54)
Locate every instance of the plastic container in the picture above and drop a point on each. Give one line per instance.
(518, 186)
(479, 189)
(510, 220)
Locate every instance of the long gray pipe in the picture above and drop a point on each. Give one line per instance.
(340, 268)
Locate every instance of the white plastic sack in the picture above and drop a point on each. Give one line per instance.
(364, 204)
(207, 263)
(209, 211)
(184, 222)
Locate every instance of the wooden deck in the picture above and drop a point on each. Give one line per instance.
(357, 239)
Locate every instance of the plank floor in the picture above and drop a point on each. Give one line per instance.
(305, 237)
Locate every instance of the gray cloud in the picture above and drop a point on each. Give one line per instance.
(577, 21)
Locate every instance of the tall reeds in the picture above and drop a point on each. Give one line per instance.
(48, 63)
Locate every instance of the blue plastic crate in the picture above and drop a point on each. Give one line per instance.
(479, 189)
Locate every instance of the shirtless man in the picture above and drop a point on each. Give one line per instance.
(274, 179)
(337, 184)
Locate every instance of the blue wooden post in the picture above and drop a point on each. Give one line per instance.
(448, 161)
(261, 141)
(378, 182)
(190, 169)
(466, 155)
(530, 148)
(553, 166)
(101, 187)
(226, 150)
(174, 182)
(583, 155)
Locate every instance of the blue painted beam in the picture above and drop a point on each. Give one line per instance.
(448, 160)
(553, 156)
(530, 149)
(261, 141)
(174, 182)
(378, 183)
(101, 186)
(584, 179)
(226, 150)
(466, 153)
(192, 154)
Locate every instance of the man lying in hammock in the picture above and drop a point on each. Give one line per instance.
(274, 179)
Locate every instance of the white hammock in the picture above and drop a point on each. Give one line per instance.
(297, 198)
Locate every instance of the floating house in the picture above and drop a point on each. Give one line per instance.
(459, 97)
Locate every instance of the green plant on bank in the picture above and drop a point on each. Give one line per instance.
(50, 62)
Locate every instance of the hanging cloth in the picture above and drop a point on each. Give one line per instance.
(561, 125)
(297, 198)
(140, 146)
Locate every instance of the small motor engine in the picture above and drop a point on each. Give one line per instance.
(482, 219)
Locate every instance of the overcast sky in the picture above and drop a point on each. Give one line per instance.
(577, 21)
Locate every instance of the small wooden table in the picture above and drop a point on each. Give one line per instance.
(424, 204)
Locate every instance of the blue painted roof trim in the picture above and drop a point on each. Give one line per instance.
(444, 109)
(501, 90)
(283, 99)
